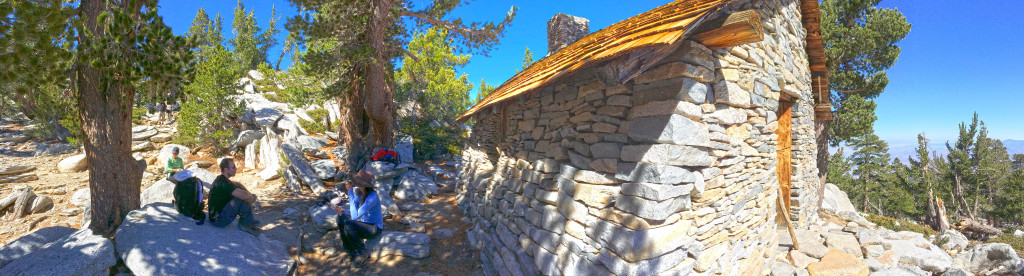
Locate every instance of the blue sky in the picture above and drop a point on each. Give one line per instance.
(960, 56)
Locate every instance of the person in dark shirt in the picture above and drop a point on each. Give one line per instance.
(229, 199)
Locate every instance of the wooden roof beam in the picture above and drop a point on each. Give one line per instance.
(734, 29)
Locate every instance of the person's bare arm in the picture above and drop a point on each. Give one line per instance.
(244, 195)
(239, 185)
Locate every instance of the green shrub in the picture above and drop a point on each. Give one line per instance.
(429, 142)
(900, 225)
(313, 127)
(317, 125)
(137, 114)
(1014, 241)
(297, 96)
(273, 97)
(318, 114)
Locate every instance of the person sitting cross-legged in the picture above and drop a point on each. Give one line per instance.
(174, 164)
(229, 199)
(366, 221)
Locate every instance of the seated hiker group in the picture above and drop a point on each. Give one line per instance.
(229, 199)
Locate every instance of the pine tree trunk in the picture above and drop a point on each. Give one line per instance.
(114, 175)
(821, 134)
(379, 99)
(866, 201)
(932, 216)
(977, 193)
(352, 127)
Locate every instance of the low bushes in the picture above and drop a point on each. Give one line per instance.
(900, 225)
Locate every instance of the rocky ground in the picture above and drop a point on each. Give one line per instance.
(287, 221)
(843, 242)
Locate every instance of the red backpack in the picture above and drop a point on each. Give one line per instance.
(384, 154)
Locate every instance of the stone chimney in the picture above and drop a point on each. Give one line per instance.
(565, 29)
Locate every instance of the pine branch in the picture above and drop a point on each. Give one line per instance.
(466, 32)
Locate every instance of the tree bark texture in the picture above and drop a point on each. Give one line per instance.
(962, 207)
(821, 139)
(380, 98)
(114, 175)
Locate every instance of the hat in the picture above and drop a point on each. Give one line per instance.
(363, 178)
(174, 150)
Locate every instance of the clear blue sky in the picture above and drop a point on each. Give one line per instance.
(960, 56)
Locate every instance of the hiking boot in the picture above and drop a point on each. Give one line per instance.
(360, 259)
(252, 229)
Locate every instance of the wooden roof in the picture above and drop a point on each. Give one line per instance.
(660, 26)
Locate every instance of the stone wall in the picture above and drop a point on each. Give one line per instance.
(671, 173)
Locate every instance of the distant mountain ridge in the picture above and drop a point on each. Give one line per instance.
(905, 151)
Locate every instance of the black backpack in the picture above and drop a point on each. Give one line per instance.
(188, 199)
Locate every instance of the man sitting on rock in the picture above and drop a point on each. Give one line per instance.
(174, 164)
(229, 199)
(367, 220)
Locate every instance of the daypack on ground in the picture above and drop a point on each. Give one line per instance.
(188, 198)
(385, 154)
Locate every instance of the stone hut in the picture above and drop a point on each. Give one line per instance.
(658, 145)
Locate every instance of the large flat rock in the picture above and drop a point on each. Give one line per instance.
(837, 263)
(413, 245)
(156, 240)
(80, 253)
(32, 242)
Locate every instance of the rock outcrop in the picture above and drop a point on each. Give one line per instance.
(80, 253)
(157, 240)
(32, 242)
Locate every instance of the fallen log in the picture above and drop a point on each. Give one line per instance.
(8, 201)
(25, 177)
(16, 169)
(977, 230)
(23, 201)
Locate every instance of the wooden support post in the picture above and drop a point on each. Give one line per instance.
(785, 217)
(730, 30)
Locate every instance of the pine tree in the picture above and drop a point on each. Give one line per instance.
(527, 60)
(485, 89)
(871, 160)
(246, 45)
(118, 45)
(204, 119)
(994, 168)
(924, 185)
(860, 44)
(445, 94)
(841, 170)
(360, 41)
(961, 166)
(1011, 199)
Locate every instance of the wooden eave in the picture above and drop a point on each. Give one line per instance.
(816, 60)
